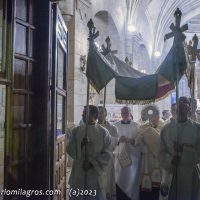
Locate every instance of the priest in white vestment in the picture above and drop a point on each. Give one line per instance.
(180, 152)
(128, 159)
(110, 170)
(148, 139)
(89, 174)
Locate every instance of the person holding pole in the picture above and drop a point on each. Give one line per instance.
(180, 152)
(91, 157)
(96, 161)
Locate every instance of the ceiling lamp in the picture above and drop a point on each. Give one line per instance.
(157, 53)
(143, 71)
(131, 28)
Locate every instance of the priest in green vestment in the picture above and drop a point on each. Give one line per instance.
(89, 173)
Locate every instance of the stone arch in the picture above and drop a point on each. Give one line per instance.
(116, 8)
(107, 27)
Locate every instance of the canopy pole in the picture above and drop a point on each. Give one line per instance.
(193, 82)
(104, 97)
(92, 35)
(86, 132)
(177, 33)
(177, 115)
(177, 89)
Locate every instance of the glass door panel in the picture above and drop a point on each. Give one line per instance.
(60, 116)
(60, 68)
(19, 74)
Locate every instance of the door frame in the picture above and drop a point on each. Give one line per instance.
(58, 38)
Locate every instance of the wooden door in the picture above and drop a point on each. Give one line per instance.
(22, 112)
(59, 100)
(27, 138)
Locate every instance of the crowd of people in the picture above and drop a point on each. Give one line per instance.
(155, 158)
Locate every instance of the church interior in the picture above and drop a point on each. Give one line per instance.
(44, 49)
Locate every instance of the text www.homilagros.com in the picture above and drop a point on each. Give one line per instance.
(28, 193)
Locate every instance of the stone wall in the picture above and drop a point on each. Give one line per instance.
(76, 22)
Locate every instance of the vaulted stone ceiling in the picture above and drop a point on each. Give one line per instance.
(151, 18)
(159, 15)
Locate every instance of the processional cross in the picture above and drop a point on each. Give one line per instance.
(194, 54)
(107, 49)
(127, 61)
(192, 49)
(93, 34)
(177, 31)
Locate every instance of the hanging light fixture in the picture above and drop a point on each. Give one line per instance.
(157, 54)
(131, 28)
